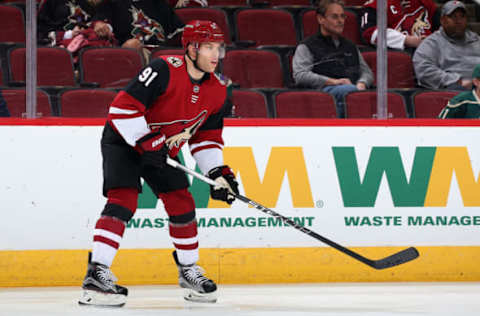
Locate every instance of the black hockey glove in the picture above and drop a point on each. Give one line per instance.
(153, 150)
(228, 185)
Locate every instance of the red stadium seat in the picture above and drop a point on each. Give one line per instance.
(363, 104)
(12, 24)
(400, 68)
(249, 103)
(291, 3)
(223, 3)
(54, 66)
(304, 104)
(86, 102)
(16, 103)
(350, 31)
(309, 23)
(266, 27)
(216, 15)
(109, 67)
(428, 104)
(252, 68)
(18, 1)
(239, 3)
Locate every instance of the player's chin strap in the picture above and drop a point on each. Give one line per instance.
(194, 61)
(400, 257)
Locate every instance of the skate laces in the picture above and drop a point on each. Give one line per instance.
(106, 276)
(194, 274)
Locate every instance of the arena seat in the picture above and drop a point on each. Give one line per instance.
(249, 104)
(54, 66)
(16, 102)
(400, 68)
(428, 104)
(211, 3)
(363, 104)
(251, 68)
(304, 104)
(85, 102)
(265, 27)
(109, 67)
(12, 24)
(18, 1)
(212, 14)
(292, 3)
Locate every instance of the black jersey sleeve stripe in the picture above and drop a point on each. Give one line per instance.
(215, 121)
(151, 82)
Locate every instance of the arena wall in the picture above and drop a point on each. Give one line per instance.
(374, 186)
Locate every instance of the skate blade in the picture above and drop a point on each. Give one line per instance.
(194, 296)
(99, 299)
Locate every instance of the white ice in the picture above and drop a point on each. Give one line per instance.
(385, 299)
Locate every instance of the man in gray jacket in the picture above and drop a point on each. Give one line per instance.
(329, 62)
(445, 59)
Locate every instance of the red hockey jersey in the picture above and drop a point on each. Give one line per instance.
(164, 98)
(410, 17)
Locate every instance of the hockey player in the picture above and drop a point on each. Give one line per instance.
(174, 100)
(408, 22)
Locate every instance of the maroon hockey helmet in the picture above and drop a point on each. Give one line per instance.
(198, 31)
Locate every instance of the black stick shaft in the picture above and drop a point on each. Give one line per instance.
(390, 261)
(303, 229)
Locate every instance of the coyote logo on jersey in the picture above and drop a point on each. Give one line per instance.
(178, 139)
(77, 17)
(415, 23)
(175, 61)
(421, 24)
(144, 27)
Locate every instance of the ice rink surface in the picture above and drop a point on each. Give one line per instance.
(392, 299)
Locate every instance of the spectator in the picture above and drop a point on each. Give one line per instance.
(3, 106)
(62, 20)
(144, 23)
(446, 58)
(328, 61)
(465, 104)
(408, 22)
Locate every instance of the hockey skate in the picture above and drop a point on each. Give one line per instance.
(197, 287)
(99, 288)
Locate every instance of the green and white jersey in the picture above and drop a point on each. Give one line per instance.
(463, 105)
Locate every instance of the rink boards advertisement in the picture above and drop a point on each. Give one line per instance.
(374, 188)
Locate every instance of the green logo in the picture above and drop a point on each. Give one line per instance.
(383, 160)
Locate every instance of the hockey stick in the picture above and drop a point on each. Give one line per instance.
(390, 261)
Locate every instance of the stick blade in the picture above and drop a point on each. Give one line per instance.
(396, 259)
